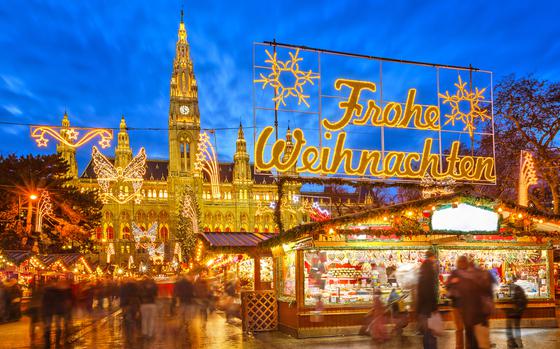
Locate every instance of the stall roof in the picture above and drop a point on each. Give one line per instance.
(552, 224)
(236, 239)
(17, 256)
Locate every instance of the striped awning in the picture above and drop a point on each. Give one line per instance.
(236, 239)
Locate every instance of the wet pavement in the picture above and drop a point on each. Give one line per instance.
(106, 332)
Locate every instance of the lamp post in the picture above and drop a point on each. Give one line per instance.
(32, 197)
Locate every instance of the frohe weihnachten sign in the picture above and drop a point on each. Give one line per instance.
(448, 133)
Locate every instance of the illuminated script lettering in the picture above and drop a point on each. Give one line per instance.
(358, 111)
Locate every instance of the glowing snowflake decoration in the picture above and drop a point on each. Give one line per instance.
(463, 96)
(290, 68)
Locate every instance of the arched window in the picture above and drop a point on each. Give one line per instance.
(110, 233)
(164, 233)
(99, 233)
(126, 233)
(185, 149)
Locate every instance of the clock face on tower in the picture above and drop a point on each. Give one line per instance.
(184, 109)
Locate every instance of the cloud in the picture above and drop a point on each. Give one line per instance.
(12, 109)
(16, 85)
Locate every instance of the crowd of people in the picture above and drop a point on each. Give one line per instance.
(470, 290)
(57, 305)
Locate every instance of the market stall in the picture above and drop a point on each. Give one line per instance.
(232, 256)
(334, 267)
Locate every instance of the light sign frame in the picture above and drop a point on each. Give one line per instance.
(265, 71)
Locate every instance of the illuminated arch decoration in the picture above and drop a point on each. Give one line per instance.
(71, 136)
(207, 161)
(144, 239)
(44, 209)
(108, 176)
(463, 95)
(291, 67)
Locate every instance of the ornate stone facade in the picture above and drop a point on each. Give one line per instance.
(245, 197)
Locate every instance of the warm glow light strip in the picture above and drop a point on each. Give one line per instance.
(70, 137)
(207, 161)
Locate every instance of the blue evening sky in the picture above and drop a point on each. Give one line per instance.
(101, 59)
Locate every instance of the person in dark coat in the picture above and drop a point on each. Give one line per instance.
(184, 292)
(519, 300)
(427, 298)
(57, 307)
(475, 292)
(453, 293)
(130, 306)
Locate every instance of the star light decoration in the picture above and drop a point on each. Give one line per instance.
(292, 69)
(108, 175)
(464, 96)
(144, 239)
(70, 136)
(207, 161)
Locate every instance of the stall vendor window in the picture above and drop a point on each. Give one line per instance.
(528, 266)
(287, 280)
(340, 277)
(246, 273)
(266, 269)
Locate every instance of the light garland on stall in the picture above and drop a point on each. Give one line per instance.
(527, 177)
(70, 136)
(108, 175)
(207, 161)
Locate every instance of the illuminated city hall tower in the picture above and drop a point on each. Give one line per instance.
(184, 121)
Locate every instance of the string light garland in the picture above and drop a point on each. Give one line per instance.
(413, 219)
(108, 175)
(207, 161)
(71, 136)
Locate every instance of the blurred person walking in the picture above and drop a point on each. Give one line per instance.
(202, 296)
(514, 315)
(427, 298)
(476, 305)
(130, 305)
(184, 292)
(34, 308)
(57, 306)
(453, 293)
(148, 308)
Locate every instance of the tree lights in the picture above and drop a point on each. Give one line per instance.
(108, 176)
